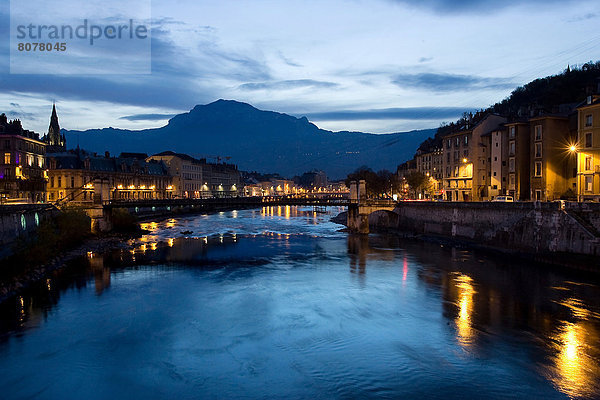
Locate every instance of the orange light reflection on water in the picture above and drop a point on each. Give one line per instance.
(466, 291)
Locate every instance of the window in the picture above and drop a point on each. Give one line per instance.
(538, 132)
(7, 144)
(6, 158)
(588, 139)
(511, 165)
(511, 148)
(456, 156)
(60, 181)
(51, 181)
(512, 180)
(588, 120)
(449, 144)
(457, 141)
(456, 171)
(538, 195)
(538, 150)
(588, 163)
(72, 181)
(511, 132)
(466, 140)
(496, 144)
(589, 183)
(538, 168)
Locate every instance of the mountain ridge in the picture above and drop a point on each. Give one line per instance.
(260, 140)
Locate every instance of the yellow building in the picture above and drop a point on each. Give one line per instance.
(588, 149)
(551, 165)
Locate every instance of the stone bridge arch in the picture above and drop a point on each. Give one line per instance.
(363, 212)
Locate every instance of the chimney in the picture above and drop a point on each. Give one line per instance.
(106, 154)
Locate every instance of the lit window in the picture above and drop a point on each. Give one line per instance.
(6, 158)
(538, 168)
(589, 183)
(588, 163)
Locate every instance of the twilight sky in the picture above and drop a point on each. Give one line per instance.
(376, 66)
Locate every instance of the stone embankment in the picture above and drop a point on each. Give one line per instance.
(545, 231)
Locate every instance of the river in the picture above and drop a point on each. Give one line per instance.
(279, 303)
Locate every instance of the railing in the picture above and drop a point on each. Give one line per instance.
(230, 202)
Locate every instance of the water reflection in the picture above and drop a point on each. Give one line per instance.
(576, 370)
(518, 328)
(101, 273)
(464, 287)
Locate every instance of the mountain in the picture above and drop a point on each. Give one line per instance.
(257, 140)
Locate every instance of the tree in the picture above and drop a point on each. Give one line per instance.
(378, 183)
(417, 182)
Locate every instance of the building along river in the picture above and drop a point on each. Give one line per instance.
(277, 302)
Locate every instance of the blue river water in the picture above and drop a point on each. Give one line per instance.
(279, 303)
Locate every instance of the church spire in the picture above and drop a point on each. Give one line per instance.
(55, 140)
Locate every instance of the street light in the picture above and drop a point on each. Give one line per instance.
(573, 150)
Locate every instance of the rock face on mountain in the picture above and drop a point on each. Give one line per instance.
(257, 140)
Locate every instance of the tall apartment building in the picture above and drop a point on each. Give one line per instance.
(552, 166)
(429, 161)
(466, 160)
(587, 149)
(517, 159)
(22, 163)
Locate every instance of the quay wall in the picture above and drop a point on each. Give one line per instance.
(528, 227)
(20, 220)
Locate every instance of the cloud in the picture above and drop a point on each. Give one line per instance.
(288, 61)
(179, 80)
(450, 82)
(147, 117)
(475, 6)
(289, 84)
(409, 113)
(425, 59)
(583, 17)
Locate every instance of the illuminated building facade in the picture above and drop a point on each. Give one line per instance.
(22, 164)
(81, 177)
(552, 167)
(587, 149)
(466, 160)
(195, 178)
(429, 160)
